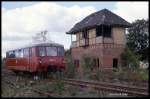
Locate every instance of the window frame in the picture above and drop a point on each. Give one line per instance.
(104, 31)
(24, 52)
(8, 55)
(44, 51)
(98, 31)
(107, 34)
(62, 48)
(51, 47)
(20, 53)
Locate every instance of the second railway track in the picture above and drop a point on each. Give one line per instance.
(130, 90)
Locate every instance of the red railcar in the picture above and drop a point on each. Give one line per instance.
(36, 58)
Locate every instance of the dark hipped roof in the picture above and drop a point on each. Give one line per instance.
(102, 17)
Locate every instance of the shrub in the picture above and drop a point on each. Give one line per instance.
(144, 74)
(130, 59)
(87, 63)
(59, 86)
(70, 69)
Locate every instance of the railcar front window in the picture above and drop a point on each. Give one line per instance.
(51, 51)
(10, 54)
(60, 51)
(41, 51)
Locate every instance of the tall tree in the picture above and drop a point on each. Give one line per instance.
(137, 38)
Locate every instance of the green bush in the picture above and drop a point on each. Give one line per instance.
(130, 59)
(144, 74)
(87, 63)
(70, 69)
(59, 86)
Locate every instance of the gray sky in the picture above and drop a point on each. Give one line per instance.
(22, 20)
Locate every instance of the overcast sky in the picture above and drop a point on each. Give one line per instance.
(22, 20)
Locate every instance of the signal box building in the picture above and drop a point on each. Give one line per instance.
(101, 36)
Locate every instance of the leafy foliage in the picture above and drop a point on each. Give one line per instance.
(130, 59)
(59, 86)
(70, 67)
(137, 38)
(144, 74)
(87, 63)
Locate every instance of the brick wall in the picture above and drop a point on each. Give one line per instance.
(105, 53)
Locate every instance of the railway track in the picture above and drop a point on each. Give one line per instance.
(119, 88)
(129, 90)
(140, 83)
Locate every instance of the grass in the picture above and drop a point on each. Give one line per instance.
(144, 74)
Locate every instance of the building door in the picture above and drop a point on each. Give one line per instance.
(115, 63)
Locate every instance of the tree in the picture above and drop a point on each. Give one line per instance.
(137, 38)
(130, 59)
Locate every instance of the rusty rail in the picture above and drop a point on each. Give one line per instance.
(130, 90)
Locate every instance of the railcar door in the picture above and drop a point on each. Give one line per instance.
(26, 57)
(32, 66)
(30, 60)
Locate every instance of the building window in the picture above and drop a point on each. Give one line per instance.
(98, 31)
(96, 62)
(115, 63)
(85, 34)
(107, 31)
(103, 30)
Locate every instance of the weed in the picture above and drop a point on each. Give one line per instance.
(59, 86)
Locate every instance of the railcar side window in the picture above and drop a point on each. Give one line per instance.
(41, 51)
(26, 52)
(51, 51)
(19, 53)
(33, 52)
(60, 51)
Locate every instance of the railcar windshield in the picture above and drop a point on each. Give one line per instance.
(60, 51)
(41, 51)
(51, 51)
(10, 54)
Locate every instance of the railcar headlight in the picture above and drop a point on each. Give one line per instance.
(40, 61)
(64, 61)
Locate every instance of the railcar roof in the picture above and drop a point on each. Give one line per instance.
(37, 44)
